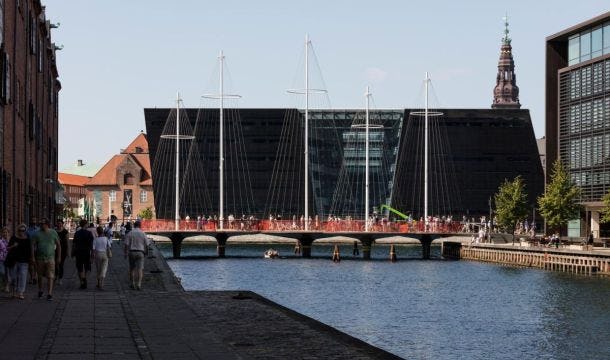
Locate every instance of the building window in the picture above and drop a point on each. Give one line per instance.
(128, 179)
(607, 38)
(143, 196)
(574, 50)
(112, 195)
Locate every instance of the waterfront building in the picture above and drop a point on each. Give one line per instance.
(123, 186)
(578, 113)
(29, 89)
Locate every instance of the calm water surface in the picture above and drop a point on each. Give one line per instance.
(422, 309)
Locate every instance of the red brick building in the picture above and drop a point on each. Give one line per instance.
(123, 186)
(28, 113)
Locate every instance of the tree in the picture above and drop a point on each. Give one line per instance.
(605, 213)
(511, 204)
(146, 213)
(559, 204)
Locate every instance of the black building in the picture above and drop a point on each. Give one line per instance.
(472, 152)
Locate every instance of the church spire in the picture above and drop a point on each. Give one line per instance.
(506, 92)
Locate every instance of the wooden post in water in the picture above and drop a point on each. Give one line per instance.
(336, 254)
(392, 253)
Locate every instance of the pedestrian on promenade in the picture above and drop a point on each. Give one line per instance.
(4, 236)
(31, 230)
(47, 250)
(63, 240)
(18, 260)
(101, 246)
(136, 247)
(590, 242)
(82, 248)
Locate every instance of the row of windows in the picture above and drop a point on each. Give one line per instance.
(589, 44)
(589, 151)
(590, 80)
(143, 196)
(589, 115)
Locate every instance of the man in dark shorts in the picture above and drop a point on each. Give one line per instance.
(82, 250)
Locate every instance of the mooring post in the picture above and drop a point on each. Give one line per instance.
(176, 239)
(221, 240)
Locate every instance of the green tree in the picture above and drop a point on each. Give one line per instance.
(146, 213)
(605, 213)
(511, 204)
(559, 203)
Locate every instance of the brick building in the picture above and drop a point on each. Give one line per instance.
(74, 189)
(124, 184)
(29, 89)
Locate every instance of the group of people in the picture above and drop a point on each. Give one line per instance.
(38, 252)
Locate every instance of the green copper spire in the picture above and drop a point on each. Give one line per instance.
(506, 39)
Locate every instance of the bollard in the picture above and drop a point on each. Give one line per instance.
(336, 255)
(392, 253)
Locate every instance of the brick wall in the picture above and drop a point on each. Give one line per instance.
(28, 113)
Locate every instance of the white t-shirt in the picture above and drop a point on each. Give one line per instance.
(101, 243)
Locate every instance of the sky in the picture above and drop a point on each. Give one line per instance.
(120, 56)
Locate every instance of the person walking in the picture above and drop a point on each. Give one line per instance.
(82, 248)
(4, 236)
(101, 246)
(18, 260)
(63, 240)
(136, 247)
(47, 250)
(32, 229)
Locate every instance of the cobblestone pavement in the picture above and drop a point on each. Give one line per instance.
(162, 322)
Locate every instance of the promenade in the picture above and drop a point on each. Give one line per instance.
(163, 322)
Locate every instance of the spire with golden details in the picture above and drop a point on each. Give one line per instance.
(506, 92)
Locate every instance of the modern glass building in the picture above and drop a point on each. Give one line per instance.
(578, 112)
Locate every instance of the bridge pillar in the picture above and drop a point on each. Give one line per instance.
(426, 243)
(367, 242)
(221, 240)
(306, 240)
(176, 239)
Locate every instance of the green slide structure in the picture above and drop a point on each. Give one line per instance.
(405, 217)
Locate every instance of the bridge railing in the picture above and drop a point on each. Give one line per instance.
(338, 226)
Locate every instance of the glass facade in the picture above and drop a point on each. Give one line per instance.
(584, 126)
(589, 44)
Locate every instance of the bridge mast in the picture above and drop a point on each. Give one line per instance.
(366, 163)
(221, 154)
(177, 214)
(306, 220)
(427, 83)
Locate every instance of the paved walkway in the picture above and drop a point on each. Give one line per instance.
(162, 322)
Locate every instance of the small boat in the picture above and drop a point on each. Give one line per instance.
(272, 254)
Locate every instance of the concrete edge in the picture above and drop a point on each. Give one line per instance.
(344, 338)
(171, 282)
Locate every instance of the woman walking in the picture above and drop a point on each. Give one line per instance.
(20, 255)
(101, 246)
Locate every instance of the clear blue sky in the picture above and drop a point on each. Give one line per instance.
(121, 56)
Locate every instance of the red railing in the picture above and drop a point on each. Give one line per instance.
(290, 225)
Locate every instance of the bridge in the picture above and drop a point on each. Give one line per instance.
(354, 229)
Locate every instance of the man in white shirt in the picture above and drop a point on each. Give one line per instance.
(136, 247)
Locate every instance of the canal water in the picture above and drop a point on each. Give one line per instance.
(421, 309)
